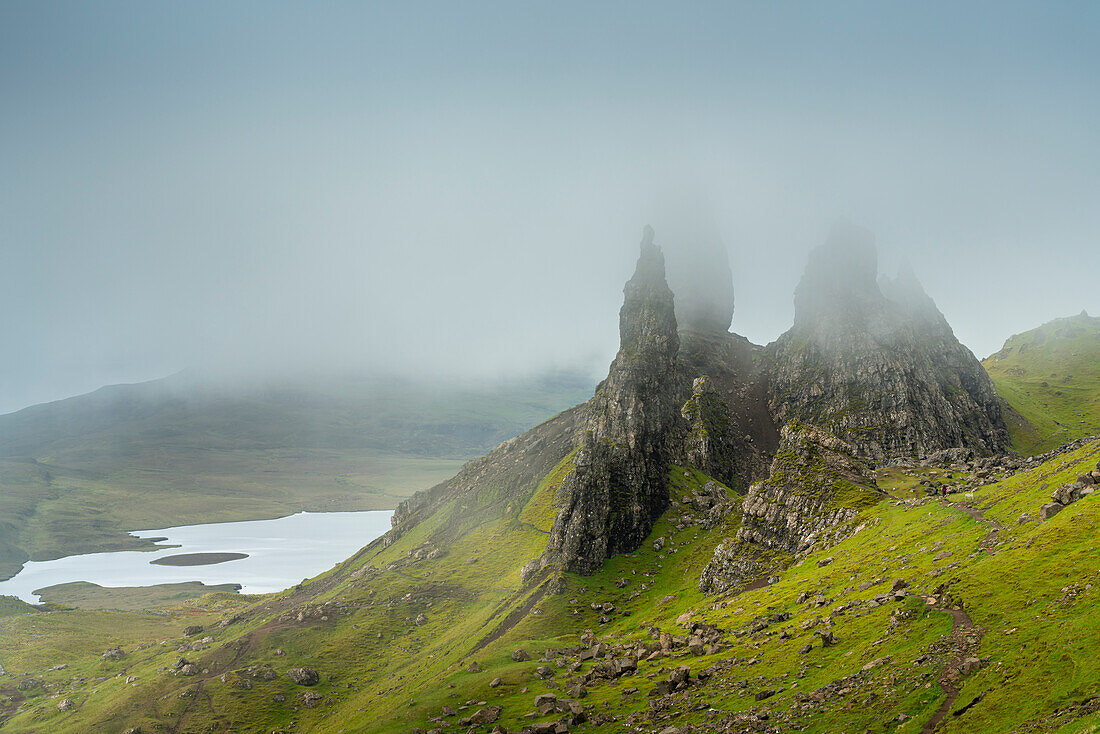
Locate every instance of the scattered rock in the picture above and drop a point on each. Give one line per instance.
(113, 653)
(485, 716)
(1050, 509)
(304, 676)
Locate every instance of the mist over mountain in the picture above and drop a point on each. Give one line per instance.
(447, 191)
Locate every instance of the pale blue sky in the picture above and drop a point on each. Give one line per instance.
(265, 187)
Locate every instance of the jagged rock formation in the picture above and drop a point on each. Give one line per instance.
(879, 368)
(728, 428)
(815, 486)
(866, 373)
(708, 421)
(816, 482)
(619, 486)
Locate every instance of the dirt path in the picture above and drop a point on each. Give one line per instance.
(964, 638)
(990, 540)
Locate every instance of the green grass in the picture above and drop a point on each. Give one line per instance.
(1051, 377)
(11, 605)
(1039, 638)
(85, 595)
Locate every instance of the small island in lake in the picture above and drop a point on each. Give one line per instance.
(198, 559)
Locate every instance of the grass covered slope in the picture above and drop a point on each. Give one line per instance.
(1051, 377)
(995, 631)
(77, 475)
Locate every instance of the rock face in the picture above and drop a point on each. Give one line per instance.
(816, 483)
(879, 367)
(727, 429)
(815, 486)
(619, 486)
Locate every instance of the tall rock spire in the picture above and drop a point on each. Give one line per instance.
(619, 486)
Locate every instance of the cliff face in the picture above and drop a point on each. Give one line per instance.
(722, 389)
(619, 486)
(816, 484)
(881, 370)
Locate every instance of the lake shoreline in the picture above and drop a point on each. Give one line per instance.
(262, 556)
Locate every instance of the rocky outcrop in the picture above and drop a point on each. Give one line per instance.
(708, 418)
(879, 366)
(816, 485)
(727, 431)
(734, 564)
(1070, 492)
(619, 485)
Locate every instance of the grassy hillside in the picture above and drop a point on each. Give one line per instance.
(77, 475)
(1016, 597)
(1051, 378)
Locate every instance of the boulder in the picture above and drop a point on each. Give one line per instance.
(304, 676)
(113, 653)
(485, 716)
(1050, 509)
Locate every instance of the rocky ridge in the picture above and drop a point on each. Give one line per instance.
(869, 372)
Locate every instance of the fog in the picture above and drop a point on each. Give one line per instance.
(262, 189)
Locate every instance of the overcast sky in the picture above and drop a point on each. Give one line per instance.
(267, 187)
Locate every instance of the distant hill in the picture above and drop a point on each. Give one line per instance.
(77, 474)
(1051, 377)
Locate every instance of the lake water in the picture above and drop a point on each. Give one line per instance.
(281, 553)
